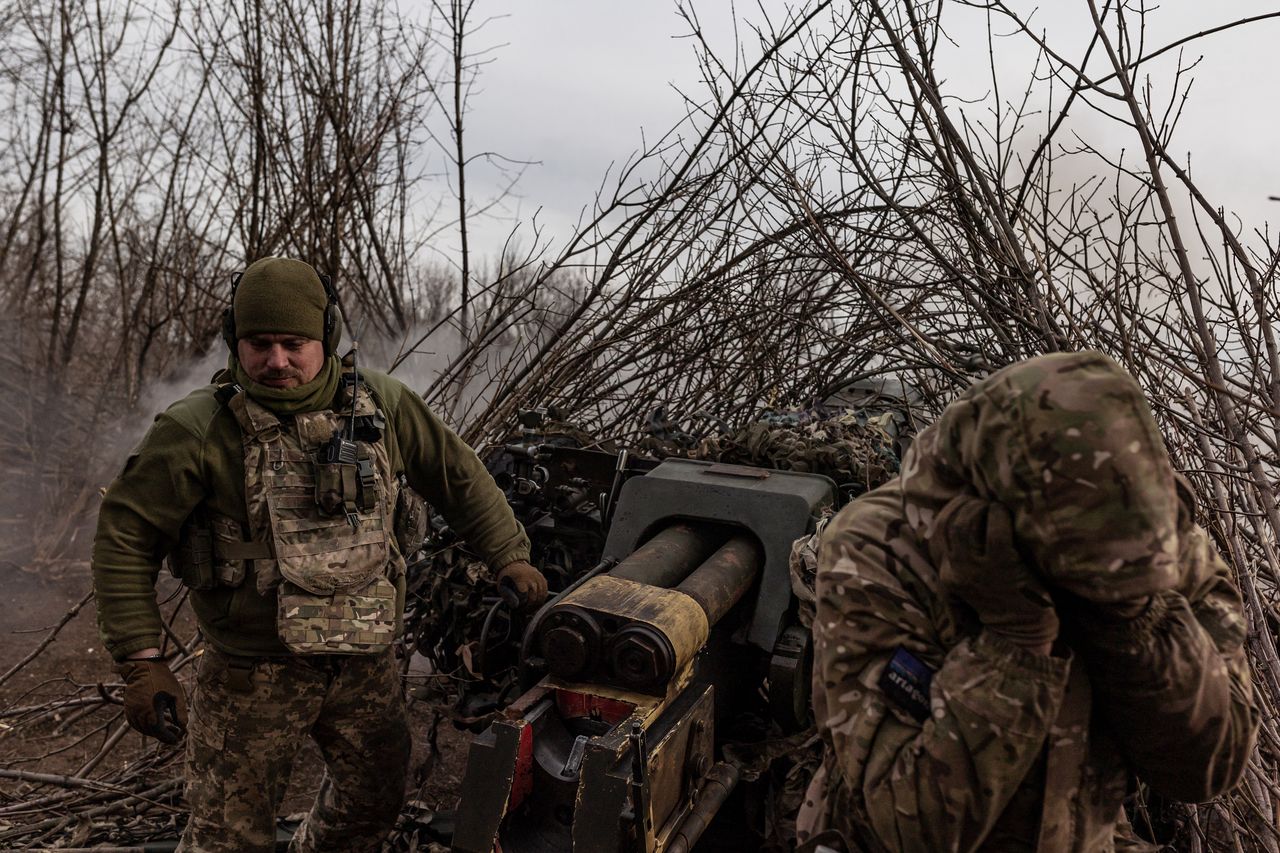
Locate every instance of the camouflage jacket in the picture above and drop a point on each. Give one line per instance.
(941, 736)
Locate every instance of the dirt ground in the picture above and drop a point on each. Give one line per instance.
(36, 600)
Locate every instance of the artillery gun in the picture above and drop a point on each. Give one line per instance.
(632, 673)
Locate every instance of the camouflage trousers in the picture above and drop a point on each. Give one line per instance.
(241, 744)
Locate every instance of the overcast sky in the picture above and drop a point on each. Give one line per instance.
(577, 81)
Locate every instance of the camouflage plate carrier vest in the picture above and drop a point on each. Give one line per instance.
(321, 498)
(328, 516)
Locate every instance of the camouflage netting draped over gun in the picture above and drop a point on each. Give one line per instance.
(856, 449)
(559, 479)
(561, 482)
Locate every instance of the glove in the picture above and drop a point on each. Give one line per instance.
(527, 581)
(971, 542)
(154, 702)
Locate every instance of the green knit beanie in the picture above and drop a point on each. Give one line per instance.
(280, 296)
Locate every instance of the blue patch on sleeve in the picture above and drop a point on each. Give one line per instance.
(905, 681)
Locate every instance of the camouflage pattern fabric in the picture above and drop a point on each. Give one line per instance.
(329, 559)
(1011, 750)
(856, 451)
(803, 570)
(787, 762)
(1067, 443)
(447, 590)
(193, 458)
(358, 622)
(225, 530)
(241, 746)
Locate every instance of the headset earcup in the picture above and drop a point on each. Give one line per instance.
(332, 316)
(333, 325)
(229, 329)
(229, 314)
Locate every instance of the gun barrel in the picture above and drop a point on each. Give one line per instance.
(670, 555)
(722, 580)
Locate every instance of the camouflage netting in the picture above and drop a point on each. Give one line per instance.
(452, 592)
(857, 451)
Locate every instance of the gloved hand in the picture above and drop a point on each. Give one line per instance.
(971, 542)
(527, 581)
(154, 702)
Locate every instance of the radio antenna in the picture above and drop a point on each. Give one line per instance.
(355, 390)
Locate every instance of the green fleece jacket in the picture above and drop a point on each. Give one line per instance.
(193, 454)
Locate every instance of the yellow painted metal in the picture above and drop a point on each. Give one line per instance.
(677, 616)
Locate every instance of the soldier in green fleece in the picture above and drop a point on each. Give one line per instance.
(285, 496)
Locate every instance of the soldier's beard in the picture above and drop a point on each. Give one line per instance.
(282, 379)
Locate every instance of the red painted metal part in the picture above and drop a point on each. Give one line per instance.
(522, 780)
(572, 705)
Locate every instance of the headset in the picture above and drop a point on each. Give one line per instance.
(332, 315)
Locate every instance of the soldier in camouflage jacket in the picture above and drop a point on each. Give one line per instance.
(1019, 624)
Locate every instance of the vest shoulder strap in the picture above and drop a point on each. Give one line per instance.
(254, 418)
(366, 400)
(226, 391)
(384, 390)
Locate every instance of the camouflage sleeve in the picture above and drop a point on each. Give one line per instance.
(446, 471)
(1174, 682)
(142, 511)
(938, 778)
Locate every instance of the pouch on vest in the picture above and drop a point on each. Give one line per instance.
(331, 485)
(325, 554)
(231, 554)
(411, 518)
(192, 560)
(211, 551)
(346, 488)
(350, 623)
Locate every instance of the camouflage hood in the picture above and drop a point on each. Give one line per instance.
(1069, 445)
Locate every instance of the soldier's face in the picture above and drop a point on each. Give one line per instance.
(280, 361)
